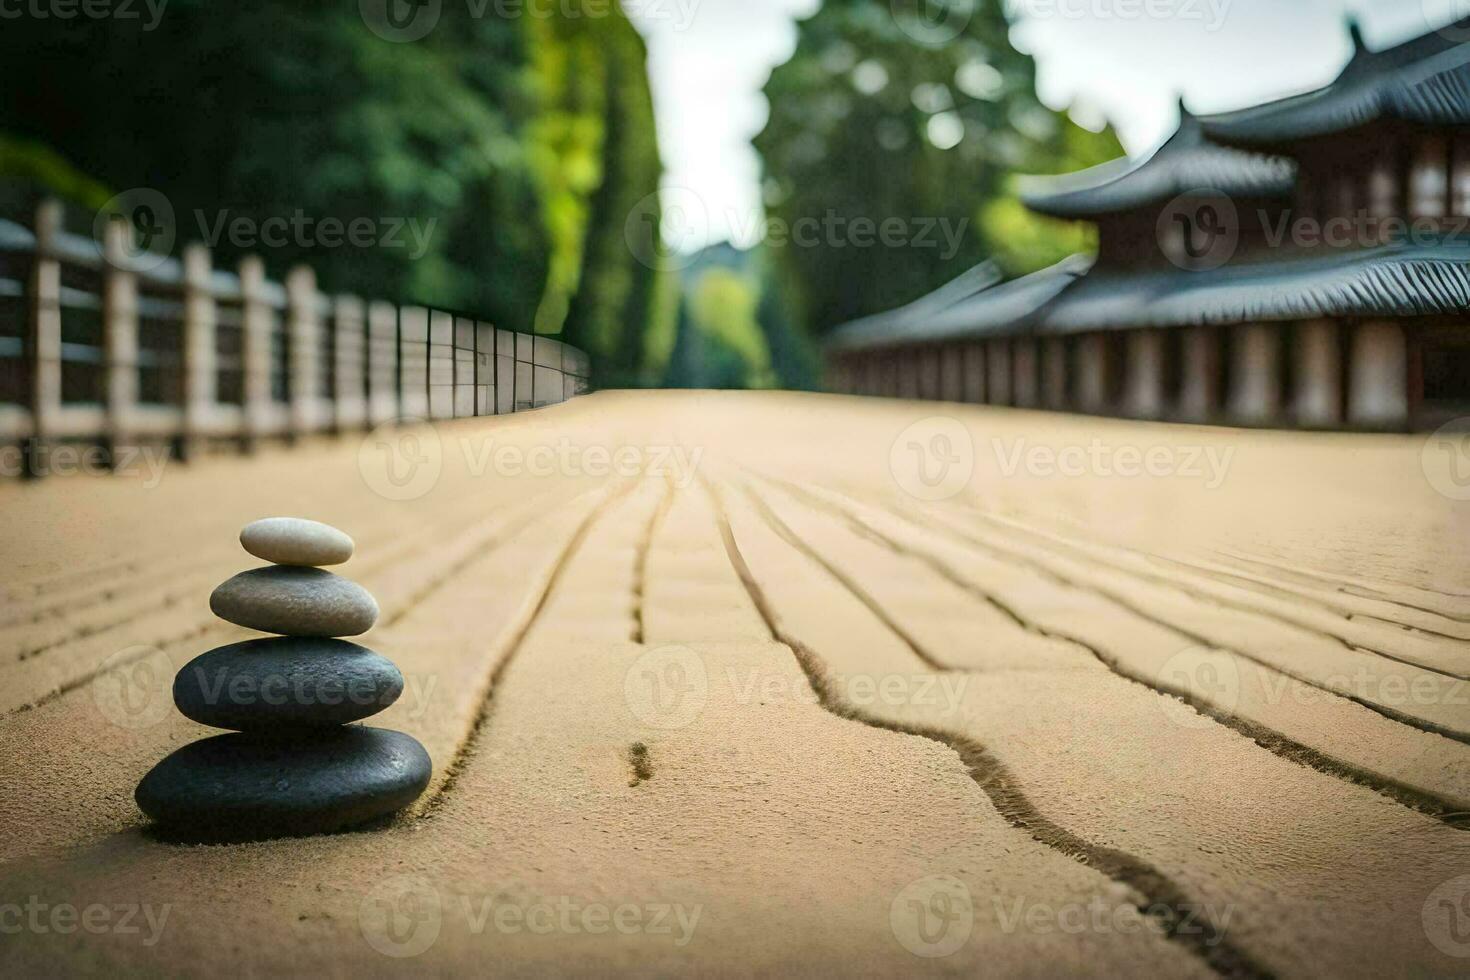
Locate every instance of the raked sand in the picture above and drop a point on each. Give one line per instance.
(749, 684)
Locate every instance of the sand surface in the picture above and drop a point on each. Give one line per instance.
(756, 683)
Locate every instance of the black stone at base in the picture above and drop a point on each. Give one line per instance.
(242, 787)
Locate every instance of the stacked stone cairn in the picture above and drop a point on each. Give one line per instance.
(296, 763)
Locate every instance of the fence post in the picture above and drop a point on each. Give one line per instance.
(43, 343)
(200, 368)
(255, 329)
(349, 399)
(413, 362)
(303, 326)
(119, 337)
(382, 362)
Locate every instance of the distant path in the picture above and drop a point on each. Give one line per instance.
(767, 709)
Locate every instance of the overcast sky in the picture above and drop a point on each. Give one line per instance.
(709, 59)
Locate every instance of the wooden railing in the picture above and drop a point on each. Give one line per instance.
(99, 344)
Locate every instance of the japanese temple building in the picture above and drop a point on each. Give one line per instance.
(1300, 263)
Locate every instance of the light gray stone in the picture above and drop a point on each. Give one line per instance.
(296, 541)
(296, 602)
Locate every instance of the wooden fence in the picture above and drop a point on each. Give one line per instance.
(97, 345)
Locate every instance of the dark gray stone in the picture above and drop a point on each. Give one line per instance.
(295, 601)
(250, 786)
(286, 682)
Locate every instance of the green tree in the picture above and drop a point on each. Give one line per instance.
(881, 115)
(492, 133)
(1023, 241)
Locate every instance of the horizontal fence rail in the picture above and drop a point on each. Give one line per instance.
(100, 344)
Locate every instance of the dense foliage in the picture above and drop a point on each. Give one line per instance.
(888, 113)
(516, 145)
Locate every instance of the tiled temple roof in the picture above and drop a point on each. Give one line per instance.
(1186, 162)
(998, 309)
(1426, 80)
(1401, 279)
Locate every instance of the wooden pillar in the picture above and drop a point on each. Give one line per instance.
(1092, 373)
(1054, 373)
(255, 330)
(1144, 371)
(1026, 371)
(952, 373)
(974, 355)
(382, 385)
(43, 341)
(349, 354)
(1318, 355)
(998, 371)
(1378, 389)
(930, 374)
(1199, 395)
(303, 324)
(908, 372)
(1255, 374)
(119, 337)
(201, 317)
